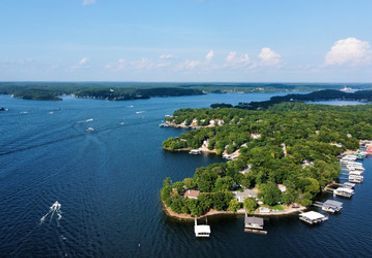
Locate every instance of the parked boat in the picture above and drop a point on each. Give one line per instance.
(195, 151)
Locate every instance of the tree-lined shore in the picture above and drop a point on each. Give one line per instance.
(287, 153)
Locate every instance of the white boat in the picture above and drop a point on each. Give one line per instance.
(201, 230)
(195, 151)
(55, 206)
(90, 129)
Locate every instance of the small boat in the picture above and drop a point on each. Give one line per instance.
(55, 206)
(195, 152)
(90, 129)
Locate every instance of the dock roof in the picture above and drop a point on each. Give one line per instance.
(333, 203)
(254, 220)
(312, 215)
(202, 229)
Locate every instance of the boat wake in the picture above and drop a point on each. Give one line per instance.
(54, 210)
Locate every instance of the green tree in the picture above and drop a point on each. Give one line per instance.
(234, 205)
(250, 205)
(270, 194)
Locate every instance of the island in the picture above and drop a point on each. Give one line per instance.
(118, 91)
(103, 91)
(321, 95)
(279, 159)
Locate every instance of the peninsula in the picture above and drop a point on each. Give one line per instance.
(279, 158)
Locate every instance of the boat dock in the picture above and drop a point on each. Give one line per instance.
(312, 217)
(201, 230)
(254, 225)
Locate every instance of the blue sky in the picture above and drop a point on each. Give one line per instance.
(186, 40)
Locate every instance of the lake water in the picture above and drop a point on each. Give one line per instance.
(108, 183)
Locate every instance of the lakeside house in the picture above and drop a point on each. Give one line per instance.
(312, 217)
(191, 194)
(247, 193)
(282, 188)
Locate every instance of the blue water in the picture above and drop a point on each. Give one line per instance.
(108, 183)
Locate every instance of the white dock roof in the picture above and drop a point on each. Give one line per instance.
(312, 215)
(202, 229)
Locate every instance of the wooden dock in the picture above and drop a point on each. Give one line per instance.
(256, 231)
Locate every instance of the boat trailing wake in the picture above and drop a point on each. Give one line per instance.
(54, 210)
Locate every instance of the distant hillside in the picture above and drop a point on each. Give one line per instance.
(363, 95)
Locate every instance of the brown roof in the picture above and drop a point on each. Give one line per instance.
(192, 194)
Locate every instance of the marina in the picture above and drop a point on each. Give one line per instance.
(125, 170)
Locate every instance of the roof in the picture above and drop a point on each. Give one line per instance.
(245, 194)
(312, 215)
(345, 189)
(332, 203)
(254, 220)
(192, 193)
(202, 229)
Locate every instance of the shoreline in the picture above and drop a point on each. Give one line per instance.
(211, 213)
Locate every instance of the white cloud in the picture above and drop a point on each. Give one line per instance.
(190, 64)
(268, 57)
(166, 57)
(83, 61)
(350, 51)
(119, 65)
(88, 2)
(209, 56)
(234, 59)
(143, 64)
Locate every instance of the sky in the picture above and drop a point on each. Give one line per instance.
(186, 40)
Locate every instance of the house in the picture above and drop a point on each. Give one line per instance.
(192, 194)
(247, 193)
(282, 188)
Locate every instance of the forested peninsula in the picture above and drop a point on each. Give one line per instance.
(55, 91)
(285, 154)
